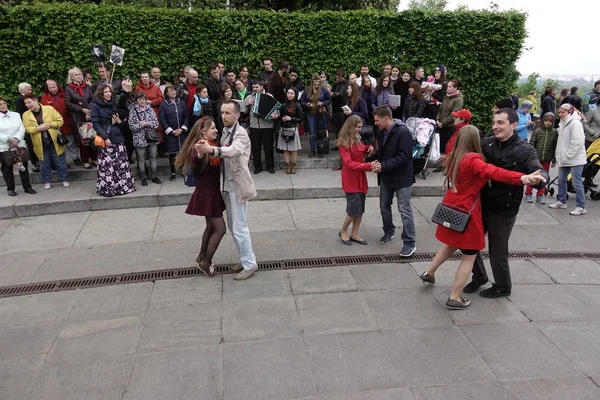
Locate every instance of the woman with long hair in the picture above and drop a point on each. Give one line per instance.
(289, 139)
(414, 107)
(357, 105)
(174, 121)
(206, 200)
(383, 91)
(354, 177)
(368, 94)
(466, 173)
(401, 89)
(315, 100)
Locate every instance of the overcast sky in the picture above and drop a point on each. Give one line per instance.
(567, 47)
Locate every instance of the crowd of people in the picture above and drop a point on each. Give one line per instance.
(210, 132)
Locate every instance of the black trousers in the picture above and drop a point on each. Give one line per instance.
(338, 121)
(499, 228)
(445, 135)
(262, 138)
(9, 177)
(32, 155)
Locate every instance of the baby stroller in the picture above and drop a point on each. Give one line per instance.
(590, 169)
(423, 131)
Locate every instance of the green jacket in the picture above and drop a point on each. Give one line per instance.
(544, 141)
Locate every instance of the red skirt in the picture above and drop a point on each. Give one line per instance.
(206, 202)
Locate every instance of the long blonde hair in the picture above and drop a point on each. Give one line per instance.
(467, 141)
(185, 156)
(347, 136)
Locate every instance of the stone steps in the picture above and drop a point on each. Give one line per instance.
(81, 196)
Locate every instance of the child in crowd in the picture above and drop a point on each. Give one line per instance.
(544, 140)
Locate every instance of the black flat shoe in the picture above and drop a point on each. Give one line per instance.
(172, 177)
(77, 161)
(271, 170)
(88, 167)
(156, 180)
(30, 191)
(12, 193)
(347, 242)
(362, 241)
(144, 182)
(257, 171)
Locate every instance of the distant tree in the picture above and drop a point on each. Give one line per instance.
(531, 84)
(551, 82)
(316, 5)
(427, 5)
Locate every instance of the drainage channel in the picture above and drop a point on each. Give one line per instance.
(188, 272)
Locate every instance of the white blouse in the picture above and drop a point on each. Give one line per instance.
(11, 126)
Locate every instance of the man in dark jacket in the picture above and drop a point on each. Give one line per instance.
(339, 98)
(278, 82)
(500, 202)
(573, 99)
(295, 80)
(395, 175)
(264, 76)
(549, 103)
(214, 82)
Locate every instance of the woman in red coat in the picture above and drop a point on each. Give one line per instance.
(466, 173)
(54, 96)
(152, 91)
(354, 177)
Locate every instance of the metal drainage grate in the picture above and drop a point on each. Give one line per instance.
(187, 272)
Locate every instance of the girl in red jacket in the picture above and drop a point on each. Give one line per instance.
(354, 177)
(466, 173)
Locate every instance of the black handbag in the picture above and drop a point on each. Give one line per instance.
(452, 217)
(323, 145)
(152, 135)
(10, 157)
(62, 139)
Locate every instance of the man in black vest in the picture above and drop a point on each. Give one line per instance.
(500, 202)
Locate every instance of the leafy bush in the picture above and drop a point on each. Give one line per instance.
(478, 47)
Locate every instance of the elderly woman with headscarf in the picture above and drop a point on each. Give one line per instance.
(54, 96)
(78, 97)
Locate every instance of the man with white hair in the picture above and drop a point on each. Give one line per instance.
(25, 89)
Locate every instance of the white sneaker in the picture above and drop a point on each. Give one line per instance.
(557, 204)
(47, 186)
(66, 184)
(578, 211)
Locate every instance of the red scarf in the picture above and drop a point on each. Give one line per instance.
(214, 161)
(78, 88)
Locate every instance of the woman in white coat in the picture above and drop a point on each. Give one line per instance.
(570, 157)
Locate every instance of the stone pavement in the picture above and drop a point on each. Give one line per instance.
(358, 332)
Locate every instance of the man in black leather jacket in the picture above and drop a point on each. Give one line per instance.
(500, 202)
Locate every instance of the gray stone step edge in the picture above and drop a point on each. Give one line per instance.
(174, 199)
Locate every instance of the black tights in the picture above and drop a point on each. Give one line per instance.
(214, 232)
(172, 157)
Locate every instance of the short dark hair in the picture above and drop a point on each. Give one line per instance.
(140, 95)
(284, 65)
(257, 82)
(364, 65)
(340, 72)
(383, 111)
(243, 67)
(213, 65)
(267, 59)
(574, 89)
(511, 114)
(456, 83)
(3, 99)
(100, 90)
(294, 70)
(30, 96)
(236, 106)
(229, 70)
(597, 83)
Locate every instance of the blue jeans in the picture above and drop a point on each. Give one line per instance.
(237, 222)
(386, 198)
(315, 122)
(59, 161)
(575, 180)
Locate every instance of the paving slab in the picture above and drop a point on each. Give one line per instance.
(519, 351)
(589, 294)
(352, 362)
(107, 301)
(253, 319)
(99, 381)
(579, 341)
(115, 226)
(187, 291)
(143, 197)
(25, 349)
(322, 280)
(57, 200)
(190, 226)
(406, 308)
(181, 327)
(269, 216)
(442, 355)
(92, 341)
(271, 284)
(553, 389)
(15, 387)
(36, 309)
(572, 272)
(7, 203)
(5, 223)
(386, 394)
(465, 391)
(334, 313)
(385, 276)
(180, 253)
(19, 268)
(82, 262)
(267, 369)
(553, 303)
(534, 214)
(174, 193)
(482, 311)
(43, 232)
(189, 374)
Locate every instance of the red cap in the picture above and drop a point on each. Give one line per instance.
(464, 114)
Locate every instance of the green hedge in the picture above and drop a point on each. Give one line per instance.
(478, 47)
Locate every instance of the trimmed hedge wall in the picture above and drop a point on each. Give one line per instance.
(478, 47)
